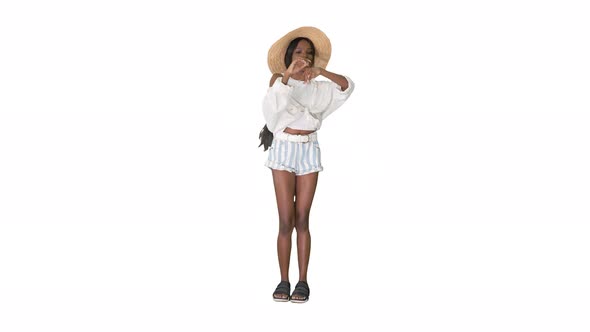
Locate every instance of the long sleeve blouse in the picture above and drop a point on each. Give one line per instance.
(300, 105)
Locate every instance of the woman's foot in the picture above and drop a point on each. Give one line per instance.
(301, 292)
(282, 291)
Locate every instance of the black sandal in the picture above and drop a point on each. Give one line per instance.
(284, 288)
(301, 291)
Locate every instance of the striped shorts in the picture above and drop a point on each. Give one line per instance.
(289, 153)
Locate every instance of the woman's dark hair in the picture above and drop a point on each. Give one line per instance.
(266, 135)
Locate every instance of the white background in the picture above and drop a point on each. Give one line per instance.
(455, 195)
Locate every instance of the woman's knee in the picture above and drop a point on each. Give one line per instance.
(286, 225)
(302, 221)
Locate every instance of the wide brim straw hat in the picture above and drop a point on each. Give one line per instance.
(323, 48)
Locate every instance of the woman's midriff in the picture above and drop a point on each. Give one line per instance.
(297, 131)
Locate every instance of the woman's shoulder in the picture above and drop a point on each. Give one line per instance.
(274, 78)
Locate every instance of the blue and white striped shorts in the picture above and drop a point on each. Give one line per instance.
(289, 153)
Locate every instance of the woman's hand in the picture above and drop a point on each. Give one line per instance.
(311, 72)
(297, 65)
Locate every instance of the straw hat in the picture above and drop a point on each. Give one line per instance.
(323, 48)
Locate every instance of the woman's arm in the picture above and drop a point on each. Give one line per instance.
(313, 72)
(278, 107)
(336, 78)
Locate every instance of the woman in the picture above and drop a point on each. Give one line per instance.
(294, 107)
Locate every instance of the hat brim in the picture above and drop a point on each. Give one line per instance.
(323, 48)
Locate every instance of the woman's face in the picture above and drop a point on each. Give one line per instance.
(303, 50)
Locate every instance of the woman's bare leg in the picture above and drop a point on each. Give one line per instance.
(305, 191)
(284, 183)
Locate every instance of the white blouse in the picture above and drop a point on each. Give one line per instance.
(301, 105)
